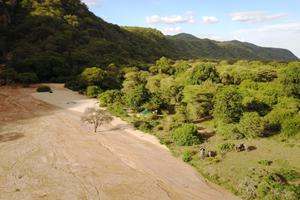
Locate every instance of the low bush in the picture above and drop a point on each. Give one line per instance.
(109, 97)
(251, 125)
(229, 131)
(44, 88)
(226, 147)
(75, 84)
(187, 155)
(145, 125)
(93, 91)
(27, 78)
(265, 162)
(269, 186)
(290, 174)
(118, 110)
(186, 135)
(291, 126)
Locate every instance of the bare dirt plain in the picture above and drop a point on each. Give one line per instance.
(47, 153)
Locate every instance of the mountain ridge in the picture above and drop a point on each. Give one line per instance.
(59, 37)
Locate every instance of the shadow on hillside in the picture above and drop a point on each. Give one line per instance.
(7, 137)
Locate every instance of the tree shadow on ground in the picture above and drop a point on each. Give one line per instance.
(118, 127)
(7, 137)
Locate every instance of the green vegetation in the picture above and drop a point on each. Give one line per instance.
(226, 147)
(109, 97)
(27, 78)
(58, 39)
(265, 162)
(251, 125)
(93, 91)
(187, 155)
(186, 135)
(220, 106)
(291, 126)
(213, 102)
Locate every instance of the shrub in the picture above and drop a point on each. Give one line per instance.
(145, 125)
(251, 125)
(226, 147)
(187, 156)
(228, 104)
(265, 162)
(229, 131)
(291, 126)
(44, 88)
(286, 108)
(93, 76)
(75, 84)
(117, 109)
(268, 185)
(93, 91)
(290, 174)
(186, 135)
(137, 97)
(27, 78)
(290, 78)
(9, 75)
(274, 186)
(109, 97)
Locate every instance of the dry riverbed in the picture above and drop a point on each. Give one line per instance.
(47, 153)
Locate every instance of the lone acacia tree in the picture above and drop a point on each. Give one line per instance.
(96, 117)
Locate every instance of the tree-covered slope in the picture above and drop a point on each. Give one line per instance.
(191, 46)
(61, 37)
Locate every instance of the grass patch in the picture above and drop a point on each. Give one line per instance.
(265, 162)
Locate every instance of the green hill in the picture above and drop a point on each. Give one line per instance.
(191, 46)
(61, 37)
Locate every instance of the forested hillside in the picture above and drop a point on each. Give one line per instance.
(59, 38)
(237, 123)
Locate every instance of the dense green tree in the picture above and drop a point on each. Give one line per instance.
(266, 74)
(155, 103)
(202, 72)
(93, 76)
(251, 125)
(290, 78)
(186, 135)
(154, 83)
(9, 75)
(163, 65)
(170, 90)
(286, 108)
(228, 104)
(137, 97)
(133, 79)
(199, 100)
(27, 78)
(93, 91)
(109, 97)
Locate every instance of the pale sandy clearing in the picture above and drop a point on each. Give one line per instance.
(50, 154)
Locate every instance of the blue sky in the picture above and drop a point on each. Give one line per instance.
(271, 23)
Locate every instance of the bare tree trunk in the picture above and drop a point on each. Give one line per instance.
(95, 127)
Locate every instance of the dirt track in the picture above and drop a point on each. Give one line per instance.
(47, 153)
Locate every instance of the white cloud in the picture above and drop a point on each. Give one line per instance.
(283, 35)
(291, 26)
(255, 16)
(172, 30)
(90, 3)
(209, 20)
(175, 19)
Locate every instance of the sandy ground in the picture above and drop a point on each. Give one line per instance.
(47, 153)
